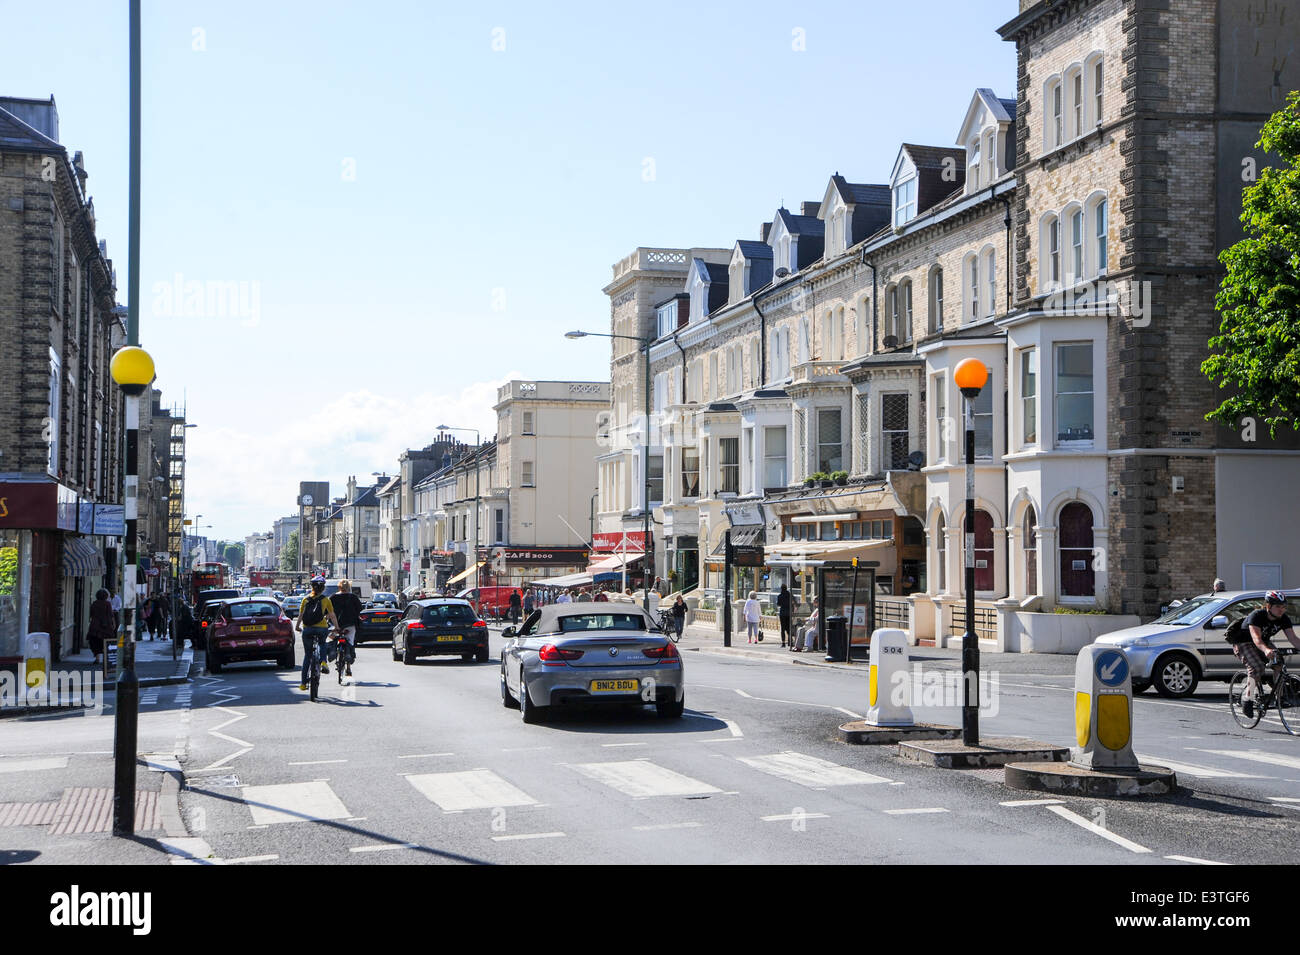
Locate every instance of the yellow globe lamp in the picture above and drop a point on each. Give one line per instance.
(970, 376)
(132, 368)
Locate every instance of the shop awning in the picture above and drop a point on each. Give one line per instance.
(823, 550)
(569, 580)
(466, 572)
(746, 535)
(411, 591)
(81, 558)
(610, 566)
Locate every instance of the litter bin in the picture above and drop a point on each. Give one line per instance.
(837, 639)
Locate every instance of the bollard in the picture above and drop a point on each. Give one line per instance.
(1103, 710)
(889, 681)
(36, 661)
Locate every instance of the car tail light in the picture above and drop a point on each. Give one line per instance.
(667, 652)
(204, 624)
(554, 656)
(415, 625)
(479, 623)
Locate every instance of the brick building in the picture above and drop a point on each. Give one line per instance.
(61, 515)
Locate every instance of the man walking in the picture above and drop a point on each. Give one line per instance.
(515, 604)
(785, 609)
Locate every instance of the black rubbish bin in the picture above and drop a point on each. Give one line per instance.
(837, 639)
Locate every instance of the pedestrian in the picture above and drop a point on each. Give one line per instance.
(528, 601)
(785, 609)
(810, 633)
(116, 603)
(564, 598)
(347, 607)
(142, 620)
(516, 604)
(158, 618)
(1219, 585)
(584, 596)
(753, 618)
(678, 611)
(601, 596)
(103, 624)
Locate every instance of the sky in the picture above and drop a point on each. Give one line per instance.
(358, 220)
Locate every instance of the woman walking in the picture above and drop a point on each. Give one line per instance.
(103, 624)
(752, 618)
(678, 611)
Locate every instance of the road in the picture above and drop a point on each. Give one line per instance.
(424, 764)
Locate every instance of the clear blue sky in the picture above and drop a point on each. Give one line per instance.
(497, 154)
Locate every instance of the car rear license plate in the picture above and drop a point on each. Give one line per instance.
(450, 638)
(615, 686)
(254, 629)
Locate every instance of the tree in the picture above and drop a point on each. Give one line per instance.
(234, 555)
(289, 553)
(1257, 350)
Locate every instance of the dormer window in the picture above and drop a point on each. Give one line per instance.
(904, 201)
(973, 165)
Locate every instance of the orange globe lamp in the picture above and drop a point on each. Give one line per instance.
(970, 376)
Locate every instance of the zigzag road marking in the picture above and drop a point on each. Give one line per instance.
(226, 697)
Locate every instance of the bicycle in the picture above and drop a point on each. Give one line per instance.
(315, 659)
(344, 653)
(1282, 700)
(668, 626)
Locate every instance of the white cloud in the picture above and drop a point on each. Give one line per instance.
(242, 478)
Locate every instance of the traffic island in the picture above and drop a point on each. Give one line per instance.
(1068, 779)
(862, 733)
(992, 752)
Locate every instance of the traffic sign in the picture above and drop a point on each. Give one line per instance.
(1112, 667)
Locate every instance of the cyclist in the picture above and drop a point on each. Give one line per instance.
(315, 609)
(1258, 651)
(347, 607)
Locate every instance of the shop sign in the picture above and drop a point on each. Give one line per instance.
(543, 556)
(30, 505)
(613, 541)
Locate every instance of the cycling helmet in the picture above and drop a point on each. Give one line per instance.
(318, 581)
(1274, 597)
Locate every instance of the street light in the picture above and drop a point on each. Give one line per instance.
(970, 376)
(645, 460)
(478, 444)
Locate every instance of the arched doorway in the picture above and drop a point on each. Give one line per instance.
(1077, 576)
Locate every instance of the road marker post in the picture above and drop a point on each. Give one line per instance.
(889, 680)
(1103, 710)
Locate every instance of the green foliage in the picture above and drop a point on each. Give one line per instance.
(819, 476)
(289, 553)
(234, 556)
(1071, 610)
(839, 475)
(1256, 353)
(8, 570)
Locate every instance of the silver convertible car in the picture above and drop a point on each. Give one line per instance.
(590, 653)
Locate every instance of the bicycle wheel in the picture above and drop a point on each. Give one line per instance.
(1235, 690)
(315, 669)
(1288, 704)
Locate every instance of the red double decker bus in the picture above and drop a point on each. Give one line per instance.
(207, 577)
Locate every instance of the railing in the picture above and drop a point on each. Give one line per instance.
(652, 259)
(814, 370)
(706, 616)
(986, 621)
(893, 613)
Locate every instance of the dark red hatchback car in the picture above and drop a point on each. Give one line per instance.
(250, 629)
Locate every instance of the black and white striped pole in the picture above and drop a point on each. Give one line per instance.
(970, 376)
(133, 370)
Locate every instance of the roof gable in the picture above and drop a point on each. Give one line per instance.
(984, 106)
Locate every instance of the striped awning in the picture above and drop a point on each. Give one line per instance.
(81, 558)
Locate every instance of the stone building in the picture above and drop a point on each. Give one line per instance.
(61, 516)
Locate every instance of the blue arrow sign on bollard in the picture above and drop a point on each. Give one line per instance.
(1112, 668)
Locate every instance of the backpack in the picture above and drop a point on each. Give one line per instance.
(313, 613)
(1237, 631)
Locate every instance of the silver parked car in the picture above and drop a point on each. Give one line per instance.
(1177, 650)
(590, 653)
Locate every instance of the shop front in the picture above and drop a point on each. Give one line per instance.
(622, 558)
(525, 566)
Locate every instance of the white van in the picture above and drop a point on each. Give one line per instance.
(359, 587)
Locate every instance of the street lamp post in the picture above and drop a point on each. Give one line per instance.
(645, 461)
(478, 446)
(970, 376)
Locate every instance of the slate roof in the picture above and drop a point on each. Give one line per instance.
(871, 193)
(17, 135)
(751, 249)
(801, 225)
(932, 157)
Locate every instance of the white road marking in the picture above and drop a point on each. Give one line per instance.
(318, 762)
(824, 706)
(610, 745)
(1194, 860)
(385, 847)
(721, 739)
(425, 755)
(259, 827)
(226, 697)
(529, 835)
(476, 789)
(189, 851)
(642, 778)
(270, 858)
(161, 762)
(734, 729)
(10, 765)
(1258, 756)
(1032, 802)
(1284, 798)
(669, 825)
(293, 802)
(1190, 769)
(523, 749)
(809, 770)
(791, 816)
(1093, 827)
(913, 812)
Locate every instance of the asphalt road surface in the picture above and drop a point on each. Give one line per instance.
(423, 763)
